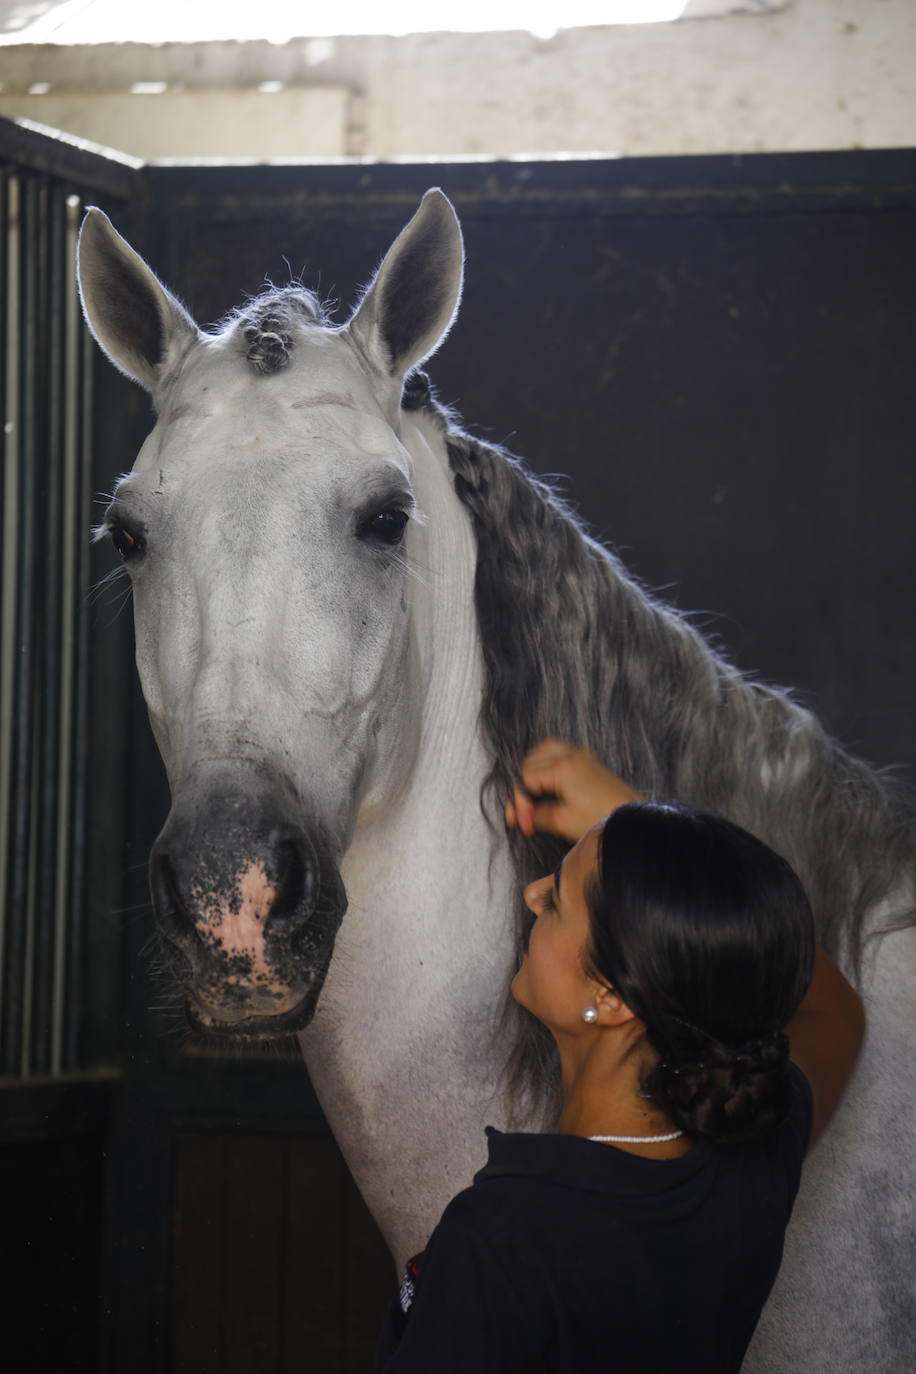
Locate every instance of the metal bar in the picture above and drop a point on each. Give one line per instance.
(48, 623)
(75, 160)
(7, 570)
(548, 188)
(84, 420)
(10, 661)
(21, 742)
(68, 898)
(31, 646)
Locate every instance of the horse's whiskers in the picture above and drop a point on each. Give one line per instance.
(110, 578)
(411, 563)
(120, 607)
(412, 569)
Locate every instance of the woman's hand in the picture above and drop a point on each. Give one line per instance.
(564, 791)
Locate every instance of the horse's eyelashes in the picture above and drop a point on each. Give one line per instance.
(128, 545)
(387, 526)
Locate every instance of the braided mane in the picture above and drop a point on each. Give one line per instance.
(575, 647)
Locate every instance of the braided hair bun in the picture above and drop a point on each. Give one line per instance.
(707, 936)
(729, 1093)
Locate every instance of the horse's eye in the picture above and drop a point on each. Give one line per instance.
(388, 525)
(128, 545)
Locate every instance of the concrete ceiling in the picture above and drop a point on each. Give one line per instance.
(278, 21)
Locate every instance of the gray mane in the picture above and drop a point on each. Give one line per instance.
(575, 647)
(267, 325)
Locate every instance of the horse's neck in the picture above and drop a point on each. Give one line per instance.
(404, 1049)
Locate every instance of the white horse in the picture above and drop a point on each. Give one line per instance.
(351, 621)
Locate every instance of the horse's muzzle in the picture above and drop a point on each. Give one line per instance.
(248, 900)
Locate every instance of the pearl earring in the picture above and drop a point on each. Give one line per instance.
(590, 1015)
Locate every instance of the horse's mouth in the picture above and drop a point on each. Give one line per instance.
(258, 1026)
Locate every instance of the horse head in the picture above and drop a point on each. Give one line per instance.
(265, 527)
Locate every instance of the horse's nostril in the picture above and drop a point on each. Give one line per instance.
(295, 883)
(165, 889)
(171, 914)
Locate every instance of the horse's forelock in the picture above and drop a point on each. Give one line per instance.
(268, 325)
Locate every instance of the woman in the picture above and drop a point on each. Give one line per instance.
(673, 959)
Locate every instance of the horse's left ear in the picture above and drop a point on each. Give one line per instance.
(409, 307)
(135, 319)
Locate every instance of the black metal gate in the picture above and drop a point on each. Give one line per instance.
(47, 499)
(56, 1091)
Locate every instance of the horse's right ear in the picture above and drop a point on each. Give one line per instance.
(410, 305)
(139, 324)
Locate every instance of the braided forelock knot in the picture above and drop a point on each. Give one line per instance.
(268, 343)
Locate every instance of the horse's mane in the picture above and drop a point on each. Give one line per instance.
(576, 647)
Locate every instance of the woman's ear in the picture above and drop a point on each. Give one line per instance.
(612, 1009)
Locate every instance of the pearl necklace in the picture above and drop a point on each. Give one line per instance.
(637, 1139)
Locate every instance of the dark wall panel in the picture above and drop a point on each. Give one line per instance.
(52, 1207)
(277, 1267)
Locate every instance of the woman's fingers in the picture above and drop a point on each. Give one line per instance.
(529, 815)
(524, 812)
(518, 813)
(547, 767)
(540, 803)
(564, 791)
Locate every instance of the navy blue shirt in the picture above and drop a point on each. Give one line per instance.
(568, 1256)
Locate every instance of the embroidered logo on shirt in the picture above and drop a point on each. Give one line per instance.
(406, 1291)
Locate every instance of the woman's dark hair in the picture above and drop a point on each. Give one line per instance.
(708, 937)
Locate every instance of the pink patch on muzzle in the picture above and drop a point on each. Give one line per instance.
(236, 928)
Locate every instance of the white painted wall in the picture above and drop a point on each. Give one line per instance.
(817, 74)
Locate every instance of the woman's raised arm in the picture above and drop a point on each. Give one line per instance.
(825, 1036)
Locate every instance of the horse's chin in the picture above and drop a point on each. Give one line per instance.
(259, 1026)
